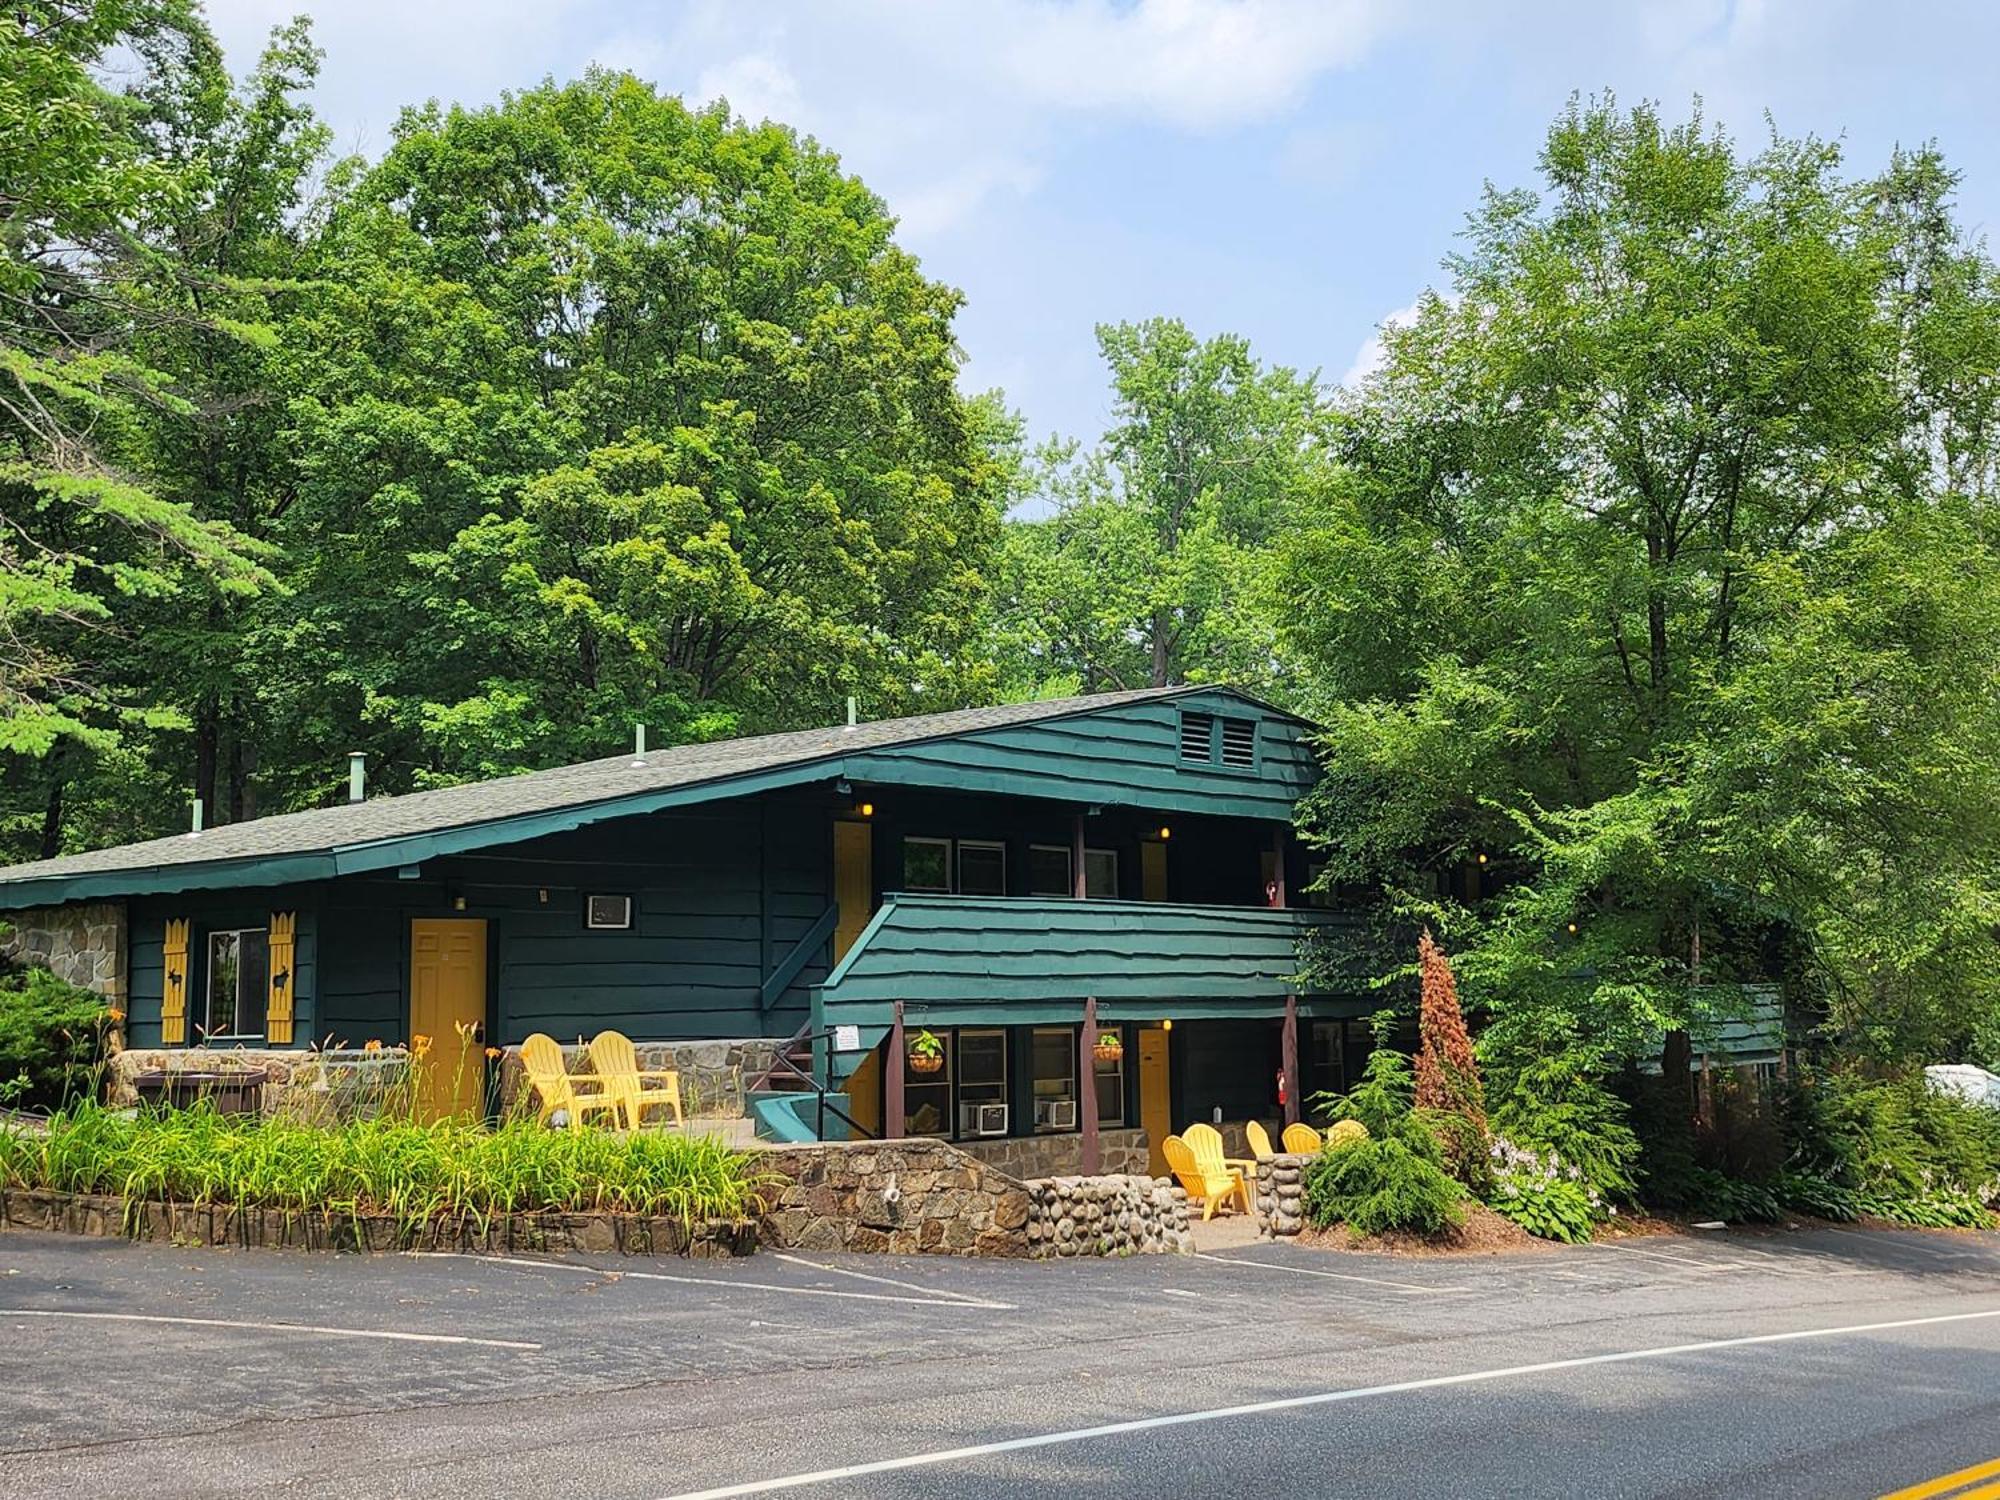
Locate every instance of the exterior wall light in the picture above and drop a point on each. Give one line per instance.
(1165, 833)
(1482, 859)
(866, 809)
(1167, 1025)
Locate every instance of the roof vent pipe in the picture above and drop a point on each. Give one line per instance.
(852, 715)
(357, 775)
(195, 827)
(639, 744)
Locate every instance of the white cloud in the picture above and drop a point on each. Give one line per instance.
(757, 85)
(1371, 356)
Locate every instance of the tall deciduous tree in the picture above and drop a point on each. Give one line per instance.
(1665, 574)
(1144, 571)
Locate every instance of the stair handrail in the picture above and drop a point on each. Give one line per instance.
(782, 1059)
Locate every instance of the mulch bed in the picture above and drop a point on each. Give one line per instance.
(1483, 1233)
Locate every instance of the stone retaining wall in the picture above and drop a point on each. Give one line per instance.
(1280, 1196)
(1119, 1153)
(909, 1197)
(1119, 1214)
(318, 1087)
(270, 1229)
(712, 1073)
(83, 943)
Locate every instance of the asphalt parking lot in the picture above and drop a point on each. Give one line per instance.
(1819, 1362)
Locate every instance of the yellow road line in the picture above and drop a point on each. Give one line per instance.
(1945, 1484)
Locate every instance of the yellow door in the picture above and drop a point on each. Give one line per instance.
(1155, 1102)
(1153, 870)
(853, 881)
(448, 1014)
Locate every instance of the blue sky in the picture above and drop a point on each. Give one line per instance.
(1288, 171)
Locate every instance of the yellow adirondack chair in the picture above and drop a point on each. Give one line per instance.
(1213, 1186)
(1260, 1141)
(1303, 1140)
(617, 1063)
(543, 1061)
(1206, 1143)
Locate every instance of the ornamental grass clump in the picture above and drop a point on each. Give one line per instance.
(1393, 1177)
(421, 1175)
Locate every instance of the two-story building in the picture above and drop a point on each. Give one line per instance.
(1052, 931)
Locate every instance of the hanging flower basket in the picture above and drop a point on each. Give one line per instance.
(926, 1053)
(1110, 1047)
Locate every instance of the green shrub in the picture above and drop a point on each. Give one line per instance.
(1550, 1198)
(51, 1040)
(1914, 1154)
(1560, 1103)
(449, 1171)
(1394, 1177)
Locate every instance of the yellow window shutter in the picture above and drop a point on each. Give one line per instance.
(173, 994)
(278, 1016)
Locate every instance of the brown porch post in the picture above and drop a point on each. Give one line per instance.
(1078, 888)
(1278, 867)
(1087, 1071)
(892, 1080)
(1290, 1059)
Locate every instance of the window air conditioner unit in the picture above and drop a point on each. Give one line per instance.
(607, 912)
(982, 1119)
(1056, 1114)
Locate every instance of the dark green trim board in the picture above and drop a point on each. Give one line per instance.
(958, 960)
(1111, 750)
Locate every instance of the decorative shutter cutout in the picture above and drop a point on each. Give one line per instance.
(1197, 735)
(1239, 742)
(278, 1014)
(174, 987)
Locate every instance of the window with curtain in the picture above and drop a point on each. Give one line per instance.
(239, 981)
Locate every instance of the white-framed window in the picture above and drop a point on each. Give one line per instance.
(1052, 1051)
(239, 982)
(1100, 874)
(982, 868)
(1049, 870)
(1108, 1075)
(926, 864)
(982, 1082)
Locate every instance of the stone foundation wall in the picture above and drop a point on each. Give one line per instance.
(1280, 1196)
(83, 943)
(712, 1073)
(1120, 1153)
(1114, 1215)
(299, 1083)
(911, 1197)
(271, 1229)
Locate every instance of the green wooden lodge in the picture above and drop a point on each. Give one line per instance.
(1090, 904)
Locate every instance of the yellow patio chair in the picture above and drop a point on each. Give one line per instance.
(548, 1071)
(1303, 1140)
(617, 1063)
(1214, 1187)
(1260, 1141)
(1206, 1143)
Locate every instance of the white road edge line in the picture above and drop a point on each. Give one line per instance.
(958, 1299)
(1406, 1287)
(1294, 1403)
(713, 1283)
(312, 1328)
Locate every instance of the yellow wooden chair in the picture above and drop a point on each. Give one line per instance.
(1303, 1140)
(1206, 1143)
(548, 1071)
(1259, 1139)
(1214, 1187)
(617, 1063)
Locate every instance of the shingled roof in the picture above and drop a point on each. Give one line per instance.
(329, 831)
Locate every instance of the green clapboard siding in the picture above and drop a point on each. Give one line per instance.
(956, 960)
(211, 911)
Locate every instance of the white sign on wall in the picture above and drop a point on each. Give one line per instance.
(847, 1038)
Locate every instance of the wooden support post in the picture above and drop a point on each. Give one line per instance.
(1087, 1073)
(1289, 1059)
(1079, 887)
(892, 1080)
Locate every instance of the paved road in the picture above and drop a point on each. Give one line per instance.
(1825, 1363)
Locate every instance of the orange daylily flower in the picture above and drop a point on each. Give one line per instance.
(492, 1052)
(373, 1044)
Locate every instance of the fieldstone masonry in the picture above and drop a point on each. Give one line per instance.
(1120, 1153)
(83, 943)
(1281, 1196)
(712, 1073)
(911, 1197)
(317, 1087)
(1116, 1215)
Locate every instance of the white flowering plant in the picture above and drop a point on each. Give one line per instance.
(1550, 1198)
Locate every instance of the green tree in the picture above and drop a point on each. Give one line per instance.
(86, 532)
(1653, 622)
(1143, 570)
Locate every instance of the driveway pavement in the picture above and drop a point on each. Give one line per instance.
(1824, 1363)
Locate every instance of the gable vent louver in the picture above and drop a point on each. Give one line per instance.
(1239, 742)
(1197, 733)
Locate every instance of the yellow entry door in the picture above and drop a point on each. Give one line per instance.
(853, 881)
(448, 1015)
(1155, 1097)
(1153, 871)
